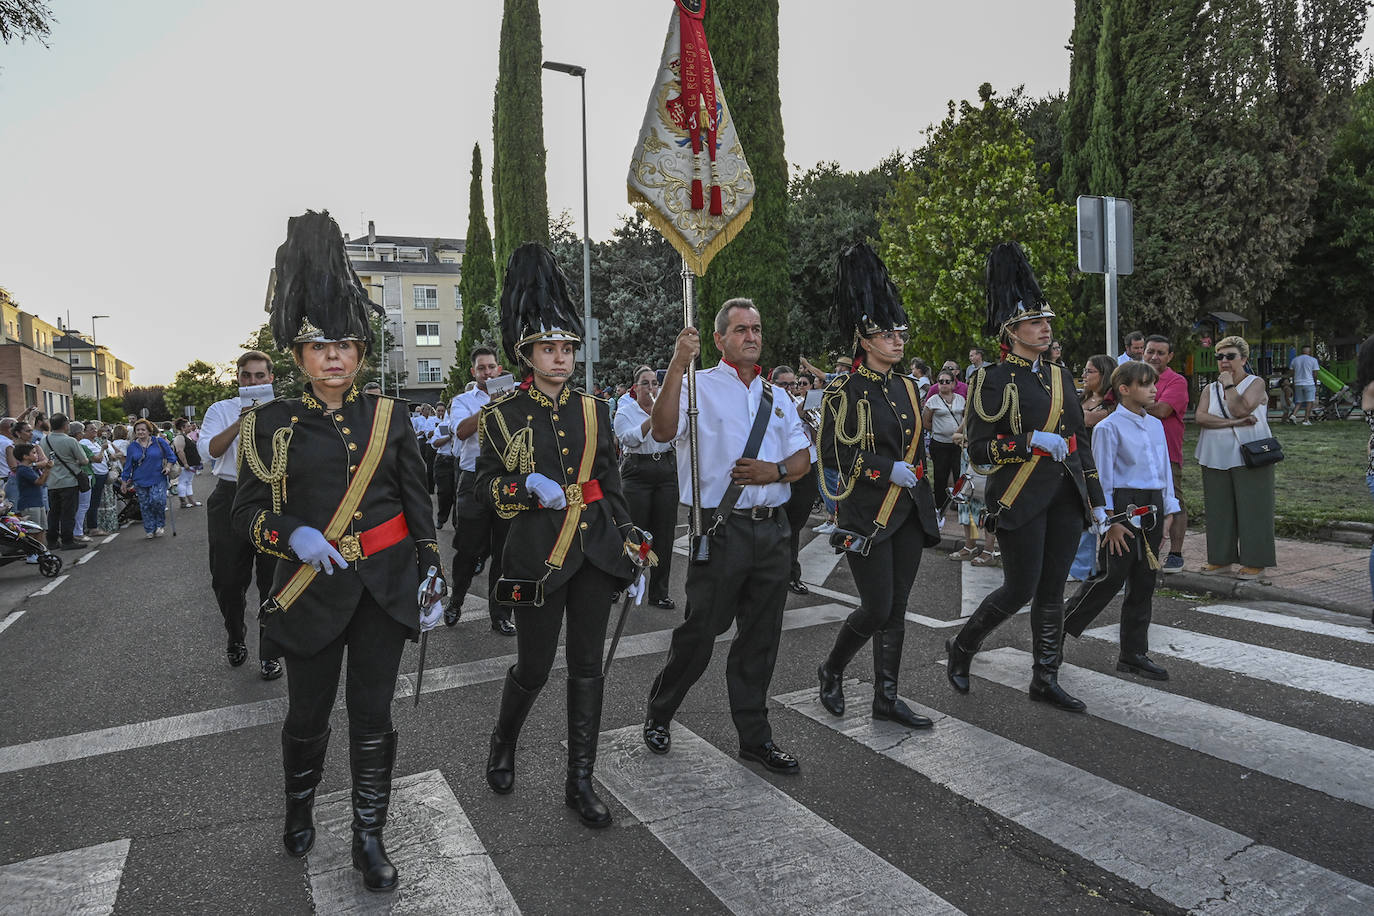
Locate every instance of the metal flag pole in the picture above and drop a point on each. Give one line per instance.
(689, 319)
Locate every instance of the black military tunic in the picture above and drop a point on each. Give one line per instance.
(324, 451)
(868, 421)
(527, 433)
(1006, 404)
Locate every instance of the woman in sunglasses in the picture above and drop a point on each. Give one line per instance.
(1233, 410)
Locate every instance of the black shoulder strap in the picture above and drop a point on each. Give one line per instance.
(751, 450)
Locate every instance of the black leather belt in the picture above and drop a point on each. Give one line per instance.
(758, 513)
(654, 456)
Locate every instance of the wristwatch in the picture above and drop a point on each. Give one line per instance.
(782, 471)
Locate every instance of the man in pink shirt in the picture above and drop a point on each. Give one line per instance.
(1171, 402)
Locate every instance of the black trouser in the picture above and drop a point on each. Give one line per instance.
(586, 600)
(479, 532)
(233, 564)
(446, 483)
(375, 642)
(745, 583)
(62, 502)
(1132, 568)
(651, 491)
(884, 579)
(798, 512)
(946, 458)
(428, 454)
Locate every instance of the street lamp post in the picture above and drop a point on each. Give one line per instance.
(95, 361)
(581, 73)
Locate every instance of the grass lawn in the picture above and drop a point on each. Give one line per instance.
(1320, 480)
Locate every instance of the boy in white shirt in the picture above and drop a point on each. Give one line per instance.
(1133, 462)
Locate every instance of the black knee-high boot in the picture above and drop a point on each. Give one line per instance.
(515, 706)
(831, 672)
(303, 763)
(372, 757)
(584, 727)
(964, 646)
(887, 662)
(1047, 630)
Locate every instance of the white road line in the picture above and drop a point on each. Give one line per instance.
(1324, 764)
(82, 881)
(818, 560)
(86, 556)
(1182, 858)
(977, 583)
(10, 619)
(1345, 682)
(46, 751)
(1288, 622)
(752, 845)
(49, 587)
(443, 865)
(109, 539)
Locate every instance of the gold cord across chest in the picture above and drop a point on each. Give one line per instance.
(275, 475)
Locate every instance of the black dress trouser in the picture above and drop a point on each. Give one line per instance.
(884, 579)
(62, 503)
(477, 533)
(233, 563)
(1131, 568)
(585, 600)
(745, 583)
(651, 491)
(798, 513)
(945, 456)
(1037, 554)
(446, 485)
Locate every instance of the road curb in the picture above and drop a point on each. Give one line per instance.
(1227, 587)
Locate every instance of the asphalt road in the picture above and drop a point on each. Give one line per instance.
(141, 774)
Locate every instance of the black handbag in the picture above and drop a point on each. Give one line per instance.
(1257, 454)
(850, 542)
(83, 480)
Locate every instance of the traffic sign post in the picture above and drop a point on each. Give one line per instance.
(1106, 245)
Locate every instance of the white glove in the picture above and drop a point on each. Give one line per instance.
(310, 545)
(549, 494)
(1057, 447)
(429, 619)
(636, 590)
(1099, 526)
(903, 474)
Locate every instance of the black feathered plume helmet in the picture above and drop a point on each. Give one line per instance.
(1013, 293)
(865, 296)
(535, 304)
(315, 294)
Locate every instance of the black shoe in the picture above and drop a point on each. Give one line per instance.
(453, 613)
(303, 761)
(768, 754)
(798, 587)
(504, 627)
(584, 729)
(887, 661)
(956, 668)
(371, 758)
(666, 603)
(72, 545)
(237, 653)
(615, 596)
(515, 706)
(832, 690)
(270, 669)
(656, 736)
(848, 642)
(1047, 651)
(1141, 665)
(1047, 690)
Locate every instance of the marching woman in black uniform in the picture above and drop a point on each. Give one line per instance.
(871, 433)
(1025, 421)
(332, 484)
(548, 464)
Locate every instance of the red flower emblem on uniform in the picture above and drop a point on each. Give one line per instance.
(515, 594)
(511, 488)
(272, 536)
(874, 474)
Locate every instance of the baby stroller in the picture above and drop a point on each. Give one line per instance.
(17, 543)
(1336, 400)
(129, 512)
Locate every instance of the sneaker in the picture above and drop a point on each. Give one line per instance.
(1306, 422)
(1173, 563)
(32, 561)
(149, 535)
(159, 532)
(825, 527)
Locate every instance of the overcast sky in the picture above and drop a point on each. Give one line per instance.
(154, 151)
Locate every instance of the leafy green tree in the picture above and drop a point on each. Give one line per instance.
(743, 37)
(199, 385)
(977, 185)
(287, 379)
(147, 397)
(521, 192)
(477, 285)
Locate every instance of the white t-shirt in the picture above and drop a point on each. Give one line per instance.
(459, 409)
(221, 415)
(629, 420)
(1304, 369)
(1219, 449)
(5, 444)
(945, 418)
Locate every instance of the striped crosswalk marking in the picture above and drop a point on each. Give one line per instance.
(1345, 682)
(753, 846)
(84, 881)
(1289, 622)
(1181, 858)
(1324, 764)
(443, 865)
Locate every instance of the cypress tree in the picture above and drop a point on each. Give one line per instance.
(477, 285)
(743, 37)
(1078, 105)
(522, 197)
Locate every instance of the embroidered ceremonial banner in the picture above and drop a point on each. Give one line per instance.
(688, 143)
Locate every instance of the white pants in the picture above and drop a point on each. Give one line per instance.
(83, 504)
(184, 483)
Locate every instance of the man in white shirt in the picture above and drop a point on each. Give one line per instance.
(1135, 348)
(424, 423)
(445, 446)
(478, 531)
(744, 577)
(1304, 368)
(648, 476)
(233, 561)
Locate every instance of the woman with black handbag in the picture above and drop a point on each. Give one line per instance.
(1238, 488)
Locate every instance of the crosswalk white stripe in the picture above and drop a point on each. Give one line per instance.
(84, 881)
(444, 868)
(10, 619)
(47, 589)
(753, 846)
(45, 751)
(818, 560)
(1345, 682)
(1181, 858)
(86, 556)
(1339, 769)
(977, 582)
(1320, 627)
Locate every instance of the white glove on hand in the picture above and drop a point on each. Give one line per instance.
(549, 494)
(1057, 447)
(1099, 525)
(310, 545)
(903, 474)
(429, 619)
(636, 590)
